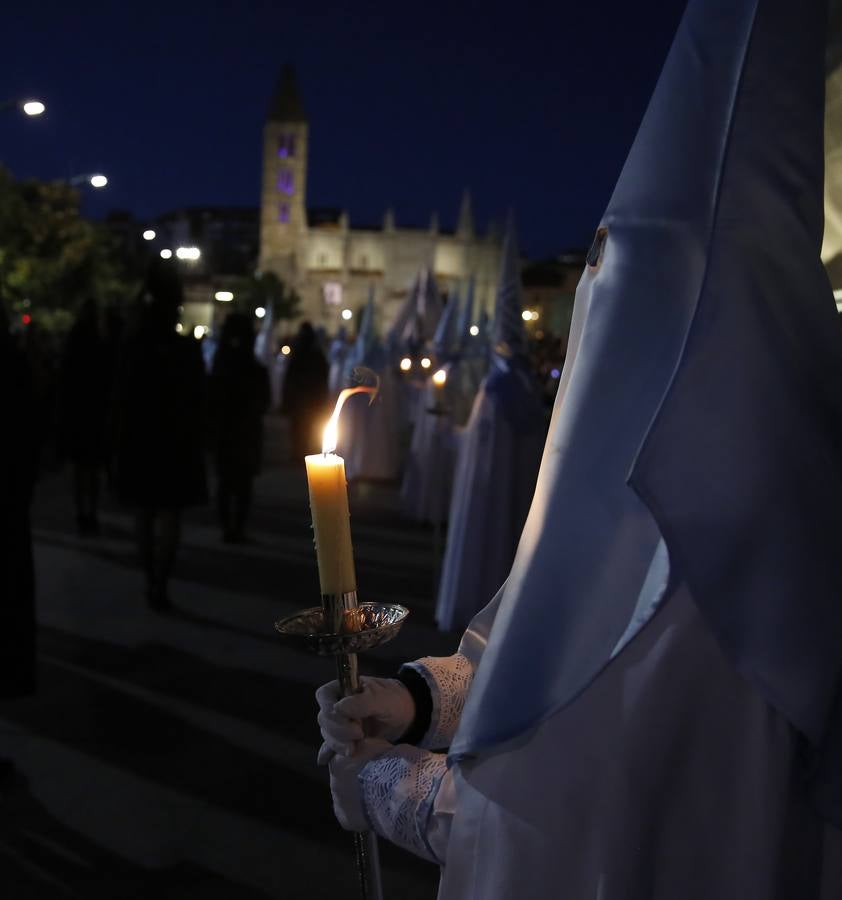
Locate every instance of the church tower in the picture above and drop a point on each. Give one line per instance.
(283, 212)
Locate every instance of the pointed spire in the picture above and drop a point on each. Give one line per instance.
(286, 105)
(509, 333)
(465, 225)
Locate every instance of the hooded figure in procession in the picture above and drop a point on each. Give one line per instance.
(651, 706)
(428, 477)
(497, 463)
(370, 434)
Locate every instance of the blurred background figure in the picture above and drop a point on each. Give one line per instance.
(306, 398)
(238, 399)
(159, 429)
(18, 466)
(84, 392)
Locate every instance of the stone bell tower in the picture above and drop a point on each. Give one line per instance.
(283, 210)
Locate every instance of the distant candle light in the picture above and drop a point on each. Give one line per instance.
(439, 378)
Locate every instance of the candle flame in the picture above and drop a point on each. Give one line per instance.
(440, 378)
(330, 436)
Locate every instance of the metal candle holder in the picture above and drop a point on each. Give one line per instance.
(341, 627)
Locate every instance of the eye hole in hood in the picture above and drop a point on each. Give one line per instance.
(594, 257)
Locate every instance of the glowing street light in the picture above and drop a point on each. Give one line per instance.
(474, 330)
(166, 254)
(347, 315)
(200, 331)
(426, 362)
(439, 378)
(223, 296)
(149, 235)
(526, 315)
(406, 364)
(98, 181)
(260, 312)
(33, 107)
(286, 349)
(191, 253)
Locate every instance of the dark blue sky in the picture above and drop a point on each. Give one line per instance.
(530, 105)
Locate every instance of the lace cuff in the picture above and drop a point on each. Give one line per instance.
(398, 791)
(448, 678)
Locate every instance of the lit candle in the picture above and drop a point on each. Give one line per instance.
(329, 508)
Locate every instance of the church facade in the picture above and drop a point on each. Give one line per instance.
(333, 265)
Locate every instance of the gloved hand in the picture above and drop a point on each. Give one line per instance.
(345, 788)
(383, 709)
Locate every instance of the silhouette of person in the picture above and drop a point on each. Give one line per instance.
(159, 429)
(84, 395)
(18, 466)
(238, 397)
(306, 392)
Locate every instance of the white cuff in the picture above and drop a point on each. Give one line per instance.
(448, 678)
(398, 791)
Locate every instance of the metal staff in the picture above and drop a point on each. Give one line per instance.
(366, 854)
(341, 627)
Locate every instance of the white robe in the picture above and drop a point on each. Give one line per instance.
(668, 778)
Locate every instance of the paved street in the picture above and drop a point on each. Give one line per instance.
(172, 756)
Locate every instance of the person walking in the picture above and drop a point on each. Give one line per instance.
(159, 430)
(238, 397)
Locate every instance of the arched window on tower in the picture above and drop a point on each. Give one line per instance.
(286, 183)
(283, 212)
(286, 145)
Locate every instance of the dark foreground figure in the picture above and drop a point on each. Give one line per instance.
(305, 397)
(238, 400)
(159, 432)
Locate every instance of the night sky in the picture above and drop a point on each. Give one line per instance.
(531, 106)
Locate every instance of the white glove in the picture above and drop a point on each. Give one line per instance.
(384, 709)
(347, 795)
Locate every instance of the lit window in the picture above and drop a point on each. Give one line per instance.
(285, 181)
(286, 146)
(283, 212)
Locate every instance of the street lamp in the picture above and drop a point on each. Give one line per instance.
(94, 179)
(149, 235)
(223, 296)
(191, 253)
(29, 108)
(166, 253)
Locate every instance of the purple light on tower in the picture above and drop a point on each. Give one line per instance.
(283, 212)
(285, 181)
(286, 146)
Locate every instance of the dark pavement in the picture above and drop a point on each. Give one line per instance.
(173, 756)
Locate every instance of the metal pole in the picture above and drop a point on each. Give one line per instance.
(366, 853)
